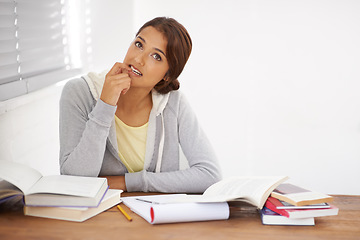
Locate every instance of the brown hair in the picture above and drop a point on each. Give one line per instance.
(178, 50)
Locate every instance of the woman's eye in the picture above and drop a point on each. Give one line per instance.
(138, 44)
(157, 57)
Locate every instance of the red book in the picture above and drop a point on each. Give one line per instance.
(273, 204)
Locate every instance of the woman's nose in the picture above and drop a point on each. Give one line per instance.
(140, 59)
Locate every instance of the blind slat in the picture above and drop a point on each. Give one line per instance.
(38, 34)
(36, 20)
(47, 79)
(37, 54)
(43, 43)
(32, 68)
(38, 4)
(7, 21)
(7, 33)
(9, 73)
(7, 46)
(6, 7)
(8, 58)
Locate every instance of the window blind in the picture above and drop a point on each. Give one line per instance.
(33, 46)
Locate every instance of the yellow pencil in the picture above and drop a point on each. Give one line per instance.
(124, 213)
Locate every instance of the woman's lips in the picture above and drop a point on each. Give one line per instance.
(135, 71)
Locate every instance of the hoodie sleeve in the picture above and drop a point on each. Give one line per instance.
(203, 170)
(83, 130)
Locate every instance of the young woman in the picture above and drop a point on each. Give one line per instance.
(131, 122)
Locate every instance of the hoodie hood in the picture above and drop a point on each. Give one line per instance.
(96, 81)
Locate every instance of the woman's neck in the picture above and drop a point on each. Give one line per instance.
(134, 107)
(134, 99)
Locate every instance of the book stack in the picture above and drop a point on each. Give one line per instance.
(291, 205)
(72, 198)
(75, 214)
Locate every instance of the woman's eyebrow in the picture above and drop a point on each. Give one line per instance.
(157, 49)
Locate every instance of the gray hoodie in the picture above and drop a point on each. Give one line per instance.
(88, 145)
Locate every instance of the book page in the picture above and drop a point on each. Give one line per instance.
(69, 185)
(7, 190)
(253, 189)
(22, 176)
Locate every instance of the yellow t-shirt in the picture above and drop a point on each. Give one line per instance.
(131, 144)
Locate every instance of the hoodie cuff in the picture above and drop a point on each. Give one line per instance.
(103, 113)
(134, 182)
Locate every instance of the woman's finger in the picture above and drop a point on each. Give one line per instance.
(118, 68)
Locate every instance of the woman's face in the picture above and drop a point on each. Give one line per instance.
(146, 57)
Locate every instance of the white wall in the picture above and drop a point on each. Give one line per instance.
(101, 30)
(275, 85)
(29, 127)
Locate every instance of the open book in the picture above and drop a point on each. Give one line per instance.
(253, 190)
(57, 190)
(76, 214)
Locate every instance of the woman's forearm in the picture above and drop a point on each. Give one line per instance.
(82, 135)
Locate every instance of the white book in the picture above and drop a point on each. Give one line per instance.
(56, 190)
(269, 217)
(78, 214)
(312, 206)
(155, 213)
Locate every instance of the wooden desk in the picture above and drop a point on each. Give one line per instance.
(241, 225)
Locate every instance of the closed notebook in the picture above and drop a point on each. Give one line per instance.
(77, 214)
(156, 213)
